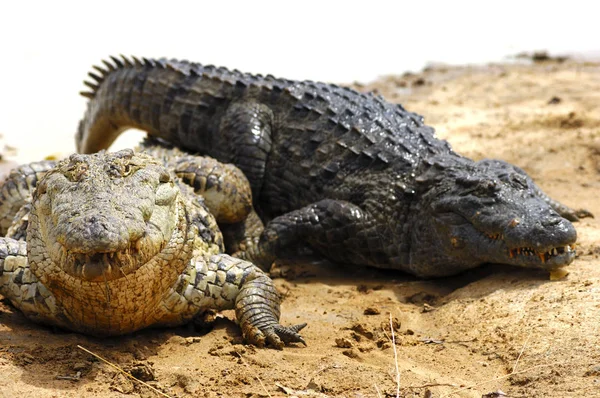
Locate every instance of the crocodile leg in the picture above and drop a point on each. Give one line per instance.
(22, 288)
(224, 187)
(340, 230)
(223, 282)
(243, 236)
(17, 188)
(225, 190)
(245, 131)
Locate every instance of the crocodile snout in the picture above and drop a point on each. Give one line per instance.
(96, 234)
(543, 234)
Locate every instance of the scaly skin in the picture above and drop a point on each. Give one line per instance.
(115, 242)
(358, 179)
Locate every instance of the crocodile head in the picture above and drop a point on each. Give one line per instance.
(101, 217)
(486, 212)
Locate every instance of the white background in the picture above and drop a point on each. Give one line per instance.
(48, 47)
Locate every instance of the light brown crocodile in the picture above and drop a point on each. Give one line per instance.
(111, 243)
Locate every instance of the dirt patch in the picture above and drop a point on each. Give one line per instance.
(470, 330)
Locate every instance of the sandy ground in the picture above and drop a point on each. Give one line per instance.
(471, 330)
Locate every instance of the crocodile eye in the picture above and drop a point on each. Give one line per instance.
(489, 186)
(164, 176)
(127, 170)
(486, 188)
(518, 181)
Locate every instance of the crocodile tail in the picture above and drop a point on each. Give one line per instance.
(98, 129)
(100, 74)
(117, 100)
(176, 100)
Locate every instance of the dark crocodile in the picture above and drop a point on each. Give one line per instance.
(111, 243)
(359, 179)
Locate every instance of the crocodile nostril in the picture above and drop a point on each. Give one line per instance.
(551, 221)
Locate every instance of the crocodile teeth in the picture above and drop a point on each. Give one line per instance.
(544, 256)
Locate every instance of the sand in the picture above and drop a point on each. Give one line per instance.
(471, 330)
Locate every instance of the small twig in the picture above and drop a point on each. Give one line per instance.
(431, 385)
(429, 340)
(378, 392)
(77, 377)
(461, 341)
(395, 358)
(325, 368)
(387, 336)
(544, 365)
(124, 372)
(521, 353)
(255, 375)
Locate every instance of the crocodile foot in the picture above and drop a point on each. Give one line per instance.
(276, 336)
(577, 214)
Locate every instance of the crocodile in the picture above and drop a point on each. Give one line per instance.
(356, 178)
(111, 243)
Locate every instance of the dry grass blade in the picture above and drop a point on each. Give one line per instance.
(378, 392)
(395, 358)
(124, 372)
(522, 350)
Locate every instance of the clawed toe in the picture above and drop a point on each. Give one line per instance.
(278, 336)
(290, 334)
(576, 214)
(275, 336)
(583, 213)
